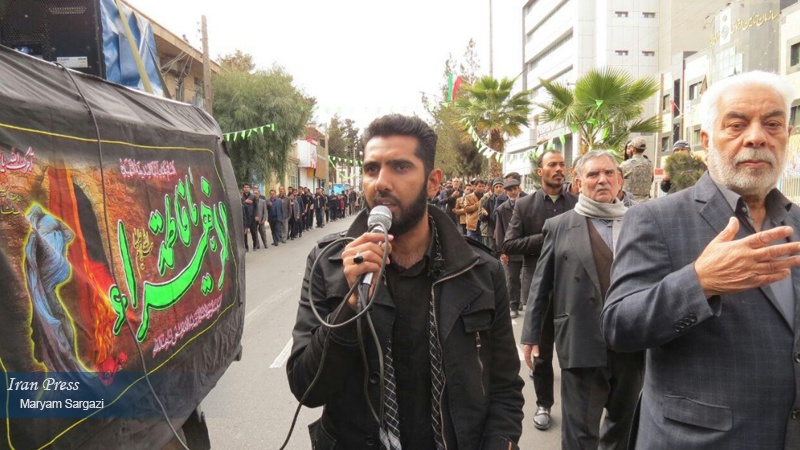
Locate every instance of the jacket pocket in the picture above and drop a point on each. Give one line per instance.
(320, 438)
(480, 320)
(693, 412)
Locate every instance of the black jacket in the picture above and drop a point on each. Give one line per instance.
(524, 232)
(503, 215)
(483, 399)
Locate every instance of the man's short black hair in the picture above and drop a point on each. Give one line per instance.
(540, 159)
(399, 125)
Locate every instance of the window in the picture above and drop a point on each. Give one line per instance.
(696, 136)
(199, 96)
(665, 104)
(694, 90)
(649, 15)
(555, 47)
(794, 118)
(665, 144)
(794, 54)
(547, 16)
(179, 94)
(530, 6)
(648, 53)
(621, 13)
(621, 52)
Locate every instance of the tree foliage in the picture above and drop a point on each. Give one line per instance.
(246, 100)
(603, 108)
(343, 138)
(456, 152)
(684, 169)
(496, 114)
(238, 61)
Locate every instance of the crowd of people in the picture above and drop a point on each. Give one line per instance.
(675, 321)
(289, 212)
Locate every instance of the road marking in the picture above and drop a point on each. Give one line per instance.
(276, 297)
(282, 357)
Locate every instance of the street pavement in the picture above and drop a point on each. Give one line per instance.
(252, 407)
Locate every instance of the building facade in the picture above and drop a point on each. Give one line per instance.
(311, 159)
(563, 39)
(684, 44)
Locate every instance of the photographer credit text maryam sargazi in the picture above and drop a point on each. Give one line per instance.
(52, 384)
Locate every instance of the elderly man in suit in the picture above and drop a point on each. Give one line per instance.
(574, 272)
(707, 281)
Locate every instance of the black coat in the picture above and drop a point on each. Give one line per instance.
(248, 210)
(503, 215)
(483, 399)
(524, 232)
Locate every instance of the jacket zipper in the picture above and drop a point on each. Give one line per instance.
(480, 363)
(436, 319)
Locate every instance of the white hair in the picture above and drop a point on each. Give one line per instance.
(710, 101)
(594, 154)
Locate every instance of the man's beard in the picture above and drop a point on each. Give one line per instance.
(408, 216)
(555, 184)
(742, 180)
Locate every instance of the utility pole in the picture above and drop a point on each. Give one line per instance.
(208, 90)
(491, 42)
(327, 165)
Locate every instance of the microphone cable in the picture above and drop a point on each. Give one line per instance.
(363, 307)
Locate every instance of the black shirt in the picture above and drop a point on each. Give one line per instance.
(552, 209)
(411, 291)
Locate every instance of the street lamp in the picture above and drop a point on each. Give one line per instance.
(491, 43)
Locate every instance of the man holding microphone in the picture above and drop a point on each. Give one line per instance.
(450, 371)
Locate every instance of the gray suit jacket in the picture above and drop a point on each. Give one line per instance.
(566, 270)
(260, 209)
(287, 208)
(722, 373)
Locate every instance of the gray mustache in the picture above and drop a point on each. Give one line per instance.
(752, 154)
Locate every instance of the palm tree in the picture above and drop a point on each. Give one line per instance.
(489, 107)
(604, 107)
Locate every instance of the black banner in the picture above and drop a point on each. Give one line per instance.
(118, 213)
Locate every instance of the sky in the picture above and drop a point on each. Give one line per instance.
(358, 58)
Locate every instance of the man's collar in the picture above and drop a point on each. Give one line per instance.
(775, 203)
(561, 193)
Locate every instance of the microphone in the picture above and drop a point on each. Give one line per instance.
(379, 221)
